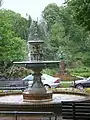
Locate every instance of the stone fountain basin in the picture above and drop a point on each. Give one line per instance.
(14, 102)
(16, 97)
(38, 64)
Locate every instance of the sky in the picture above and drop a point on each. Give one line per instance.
(31, 7)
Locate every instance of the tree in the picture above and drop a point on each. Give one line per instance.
(19, 24)
(50, 14)
(12, 47)
(65, 35)
(81, 11)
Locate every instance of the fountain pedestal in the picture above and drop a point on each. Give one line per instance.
(37, 92)
(38, 97)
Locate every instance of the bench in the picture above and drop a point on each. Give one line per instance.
(75, 110)
(28, 113)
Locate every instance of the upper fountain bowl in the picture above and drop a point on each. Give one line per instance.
(35, 42)
(38, 64)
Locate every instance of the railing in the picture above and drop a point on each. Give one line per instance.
(76, 110)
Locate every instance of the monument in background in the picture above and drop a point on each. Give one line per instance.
(63, 74)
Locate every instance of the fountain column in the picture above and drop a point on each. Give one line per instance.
(36, 55)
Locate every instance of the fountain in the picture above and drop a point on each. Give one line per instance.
(36, 97)
(37, 91)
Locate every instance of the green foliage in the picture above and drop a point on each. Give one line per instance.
(12, 47)
(65, 35)
(17, 72)
(81, 11)
(50, 14)
(81, 71)
(65, 84)
(50, 71)
(86, 59)
(18, 24)
(87, 90)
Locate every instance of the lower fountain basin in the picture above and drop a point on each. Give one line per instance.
(15, 102)
(56, 98)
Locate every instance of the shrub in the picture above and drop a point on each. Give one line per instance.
(19, 72)
(49, 71)
(81, 71)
